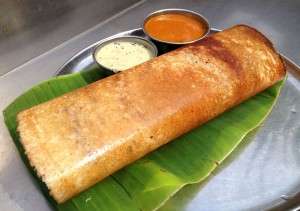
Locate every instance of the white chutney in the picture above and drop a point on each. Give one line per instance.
(121, 55)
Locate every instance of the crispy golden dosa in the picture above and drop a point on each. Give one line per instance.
(77, 139)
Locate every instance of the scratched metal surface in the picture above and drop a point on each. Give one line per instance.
(264, 172)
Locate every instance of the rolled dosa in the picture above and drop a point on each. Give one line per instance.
(76, 140)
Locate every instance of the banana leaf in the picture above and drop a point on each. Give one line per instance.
(149, 182)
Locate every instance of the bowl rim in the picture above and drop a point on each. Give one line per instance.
(176, 10)
(129, 37)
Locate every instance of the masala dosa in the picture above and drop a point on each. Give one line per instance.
(76, 140)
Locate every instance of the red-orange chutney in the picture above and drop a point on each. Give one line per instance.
(175, 27)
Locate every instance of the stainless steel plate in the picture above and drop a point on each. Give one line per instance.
(264, 172)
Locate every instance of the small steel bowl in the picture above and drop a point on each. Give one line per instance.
(177, 11)
(147, 43)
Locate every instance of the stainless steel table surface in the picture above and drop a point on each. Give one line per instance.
(34, 45)
(29, 28)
